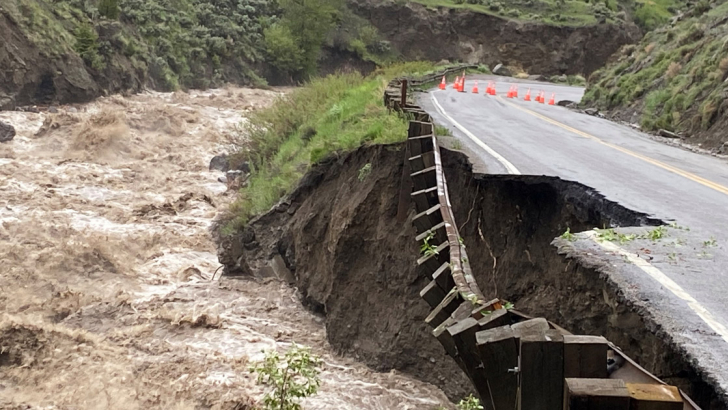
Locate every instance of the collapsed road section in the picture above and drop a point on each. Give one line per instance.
(344, 237)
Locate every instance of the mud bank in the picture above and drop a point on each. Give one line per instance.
(355, 263)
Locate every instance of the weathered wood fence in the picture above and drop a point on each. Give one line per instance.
(514, 361)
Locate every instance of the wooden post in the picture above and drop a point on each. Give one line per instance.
(463, 333)
(498, 349)
(542, 371)
(585, 357)
(595, 394)
(403, 98)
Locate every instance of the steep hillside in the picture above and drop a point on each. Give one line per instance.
(675, 79)
(435, 34)
(67, 50)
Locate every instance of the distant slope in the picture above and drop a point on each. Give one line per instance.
(675, 79)
(434, 34)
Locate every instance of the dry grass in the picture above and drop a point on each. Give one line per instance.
(673, 69)
(649, 48)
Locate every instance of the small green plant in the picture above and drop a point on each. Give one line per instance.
(672, 256)
(457, 145)
(428, 249)
(655, 234)
(509, 306)
(364, 172)
(293, 376)
(441, 131)
(469, 403)
(613, 236)
(568, 235)
(710, 243)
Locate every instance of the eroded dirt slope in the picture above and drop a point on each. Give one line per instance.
(106, 264)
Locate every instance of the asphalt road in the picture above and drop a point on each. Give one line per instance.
(685, 285)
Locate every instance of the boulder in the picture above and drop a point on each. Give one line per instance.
(500, 69)
(591, 111)
(7, 102)
(220, 163)
(565, 103)
(7, 132)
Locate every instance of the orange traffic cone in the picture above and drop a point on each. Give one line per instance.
(540, 97)
(492, 89)
(475, 87)
(462, 84)
(528, 95)
(456, 83)
(553, 98)
(443, 83)
(515, 91)
(510, 92)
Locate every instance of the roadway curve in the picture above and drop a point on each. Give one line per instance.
(684, 282)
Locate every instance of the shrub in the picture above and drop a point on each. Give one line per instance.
(109, 9)
(293, 376)
(87, 46)
(673, 70)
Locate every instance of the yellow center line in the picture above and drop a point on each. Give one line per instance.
(675, 170)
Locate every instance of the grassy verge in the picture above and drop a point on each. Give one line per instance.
(337, 113)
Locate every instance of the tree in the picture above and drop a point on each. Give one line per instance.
(283, 49)
(308, 22)
(109, 9)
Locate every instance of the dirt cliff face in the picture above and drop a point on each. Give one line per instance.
(419, 32)
(354, 262)
(26, 75)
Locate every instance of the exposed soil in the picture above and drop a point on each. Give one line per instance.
(419, 32)
(107, 268)
(356, 263)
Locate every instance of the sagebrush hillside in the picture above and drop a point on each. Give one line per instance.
(675, 79)
(73, 50)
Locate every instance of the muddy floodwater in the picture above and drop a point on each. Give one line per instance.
(106, 265)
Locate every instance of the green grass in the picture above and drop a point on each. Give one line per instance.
(337, 113)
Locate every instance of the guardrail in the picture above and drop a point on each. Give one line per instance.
(514, 361)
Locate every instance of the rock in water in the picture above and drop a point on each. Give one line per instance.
(220, 163)
(500, 69)
(7, 132)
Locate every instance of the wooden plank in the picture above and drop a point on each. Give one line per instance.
(585, 357)
(654, 397)
(497, 318)
(538, 325)
(498, 350)
(432, 294)
(425, 234)
(463, 333)
(425, 178)
(444, 309)
(595, 394)
(433, 261)
(416, 163)
(542, 370)
(427, 218)
(443, 277)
